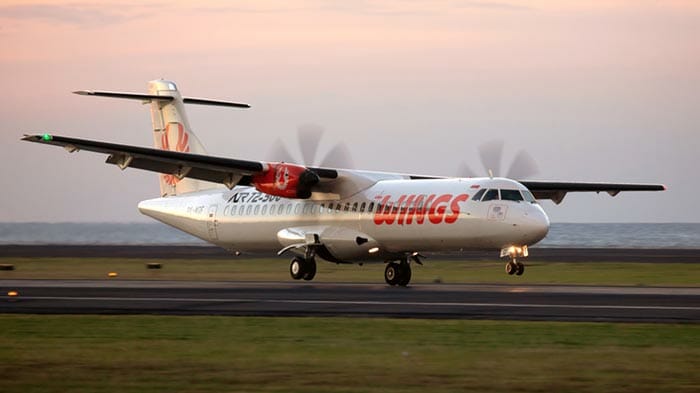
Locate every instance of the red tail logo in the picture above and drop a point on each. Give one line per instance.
(181, 145)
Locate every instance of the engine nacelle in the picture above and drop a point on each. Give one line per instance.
(286, 180)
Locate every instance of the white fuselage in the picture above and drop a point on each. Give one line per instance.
(415, 215)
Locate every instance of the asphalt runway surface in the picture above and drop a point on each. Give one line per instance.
(508, 302)
(655, 255)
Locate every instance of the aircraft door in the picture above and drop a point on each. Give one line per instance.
(212, 223)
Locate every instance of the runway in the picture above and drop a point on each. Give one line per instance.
(537, 254)
(473, 301)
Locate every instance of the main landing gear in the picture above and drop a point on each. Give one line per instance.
(398, 273)
(303, 268)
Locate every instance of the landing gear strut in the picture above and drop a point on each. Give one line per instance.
(398, 273)
(303, 268)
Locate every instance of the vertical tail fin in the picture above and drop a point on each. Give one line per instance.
(171, 129)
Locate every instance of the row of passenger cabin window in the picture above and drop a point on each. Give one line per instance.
(298, 208)
(493, 194)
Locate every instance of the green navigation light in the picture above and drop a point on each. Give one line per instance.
(46, 137)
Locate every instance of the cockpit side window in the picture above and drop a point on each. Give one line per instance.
(529, 197)
(491, 195)
(511, 195)
(478, 195)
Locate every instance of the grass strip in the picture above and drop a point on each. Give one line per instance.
(593, 273)
(220, 354)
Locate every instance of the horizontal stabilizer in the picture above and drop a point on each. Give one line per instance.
(152, 97)
(204, 101)
(128, 96)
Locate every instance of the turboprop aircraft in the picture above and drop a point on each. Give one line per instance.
(339, 215)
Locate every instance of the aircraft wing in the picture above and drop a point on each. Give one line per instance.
(227, 171)
(232, 172)
(556, 191)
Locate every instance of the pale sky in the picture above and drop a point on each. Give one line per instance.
(594, 90)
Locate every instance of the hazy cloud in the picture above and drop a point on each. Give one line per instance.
(72, 14)
(360, 7)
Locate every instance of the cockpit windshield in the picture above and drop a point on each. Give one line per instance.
(511, 195)
(485, 195)
(529, 197)
(491, 195)
(478, 194)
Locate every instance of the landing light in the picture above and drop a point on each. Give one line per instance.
(373, 250)
(12, 294)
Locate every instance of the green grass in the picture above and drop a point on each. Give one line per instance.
(227, 354)
(594, 273)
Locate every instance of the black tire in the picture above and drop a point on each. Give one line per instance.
(310, 270)
(520, 269)
(392, 273)
(404, 274)
(296, 268)
(511, 268)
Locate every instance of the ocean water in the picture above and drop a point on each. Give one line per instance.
(560, 235)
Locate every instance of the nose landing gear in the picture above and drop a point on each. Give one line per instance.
(514, 266)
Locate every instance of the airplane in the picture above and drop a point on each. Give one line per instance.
(340, 215)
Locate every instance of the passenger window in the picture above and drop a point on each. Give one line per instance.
(362, 207)
(529, 197)
(491, 195)
(272, 209)
(257, 209)
(289, 209)
(233, 210)
(280, 210)
(249, 210)
(226, 210)
(354, 207)
(347, 206)
(264, 210)
(511, 195)
(306, 209)
(297, 208)
(337, 207)
(478, 195)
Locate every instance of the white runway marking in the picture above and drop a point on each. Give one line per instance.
(361, 303)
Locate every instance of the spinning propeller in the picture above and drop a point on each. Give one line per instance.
(491, 155)
(309, 136)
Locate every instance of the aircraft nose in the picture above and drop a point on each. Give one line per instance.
(536, 225)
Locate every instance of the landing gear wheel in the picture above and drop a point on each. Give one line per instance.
(296, 268)
(511, 267)
(404, 274)
(392, 273)
(520, 270)
(309, 269)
